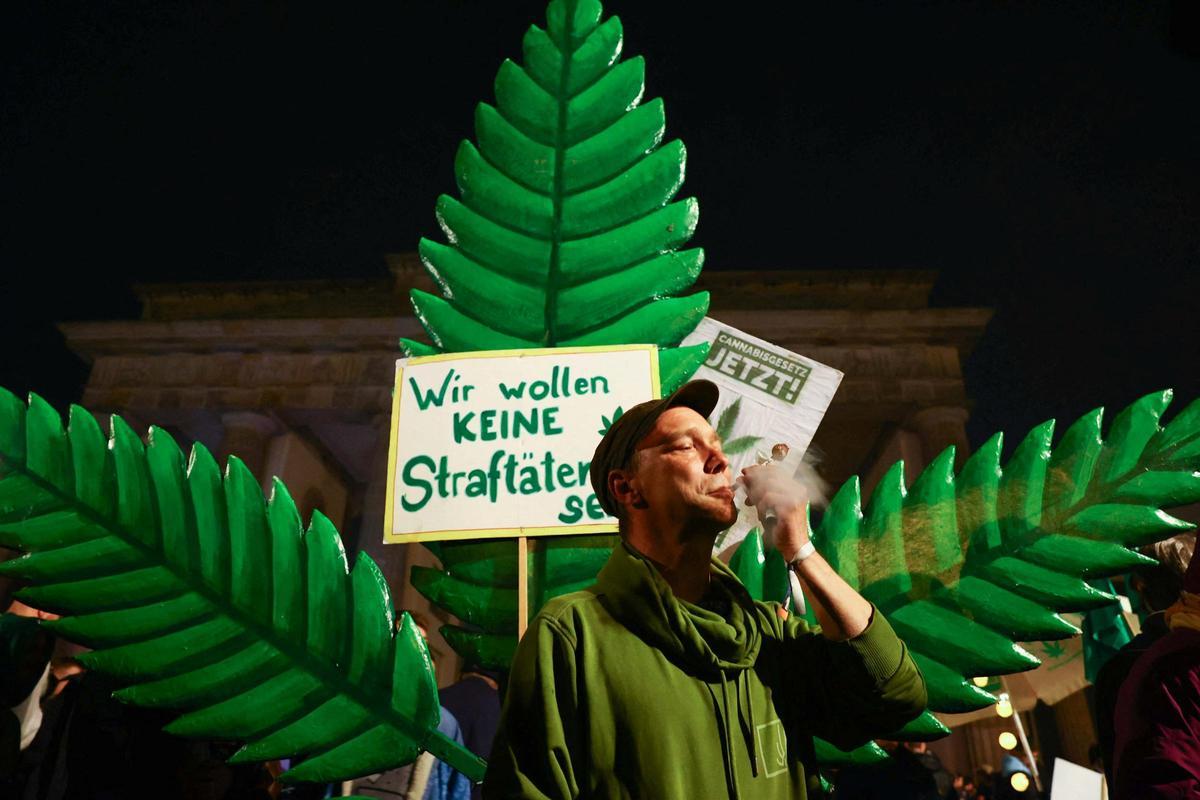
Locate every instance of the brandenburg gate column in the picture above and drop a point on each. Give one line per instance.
(938, 427)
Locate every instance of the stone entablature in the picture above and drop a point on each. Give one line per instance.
(810, 289)
(898, 356)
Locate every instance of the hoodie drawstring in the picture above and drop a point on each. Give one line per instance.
(722, 708)
(748, 724)
(732, 776)
(745, 716)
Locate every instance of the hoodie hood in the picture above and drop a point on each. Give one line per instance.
(718, 649)
(636, 593)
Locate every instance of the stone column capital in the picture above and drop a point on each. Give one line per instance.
(938, 427)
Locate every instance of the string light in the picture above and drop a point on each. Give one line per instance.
(1019, 781)
(1004, 707)
(1007, 740)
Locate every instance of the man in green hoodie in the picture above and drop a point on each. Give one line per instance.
(666, 680)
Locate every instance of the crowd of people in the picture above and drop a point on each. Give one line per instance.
(915, 772)
(63, 736)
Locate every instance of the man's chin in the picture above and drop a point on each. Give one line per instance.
(724, 516)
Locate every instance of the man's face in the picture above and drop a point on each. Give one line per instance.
(682, 474)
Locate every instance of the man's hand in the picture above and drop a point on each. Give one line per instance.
(775, 493)
(842, 612)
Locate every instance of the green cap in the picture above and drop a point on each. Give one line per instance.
(617, 446)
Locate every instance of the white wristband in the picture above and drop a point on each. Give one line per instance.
(806, 550)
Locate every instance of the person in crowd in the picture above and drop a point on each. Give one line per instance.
(427, 778)
(1157, 587)
(911, 773)
(985, 782)
(666, 679)
(1004, 789)
(78, 741)
(475, 702)
(1157, 721)
(964, 787)
(25, 654)
(928, 759)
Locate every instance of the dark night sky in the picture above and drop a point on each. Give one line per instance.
(1042, 156)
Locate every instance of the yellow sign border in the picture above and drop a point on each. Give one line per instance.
(389, 537)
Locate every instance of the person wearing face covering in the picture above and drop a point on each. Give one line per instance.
(666, 679)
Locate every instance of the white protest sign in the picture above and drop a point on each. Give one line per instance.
(498, 444)
(769, 395)
(1073, 782)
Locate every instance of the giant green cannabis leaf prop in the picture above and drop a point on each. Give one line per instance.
(206, 599)
(966, 566)
(566, 233)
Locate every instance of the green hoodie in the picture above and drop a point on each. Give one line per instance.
(623, 690)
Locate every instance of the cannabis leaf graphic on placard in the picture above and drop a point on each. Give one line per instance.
(726, 422)
(606, 423)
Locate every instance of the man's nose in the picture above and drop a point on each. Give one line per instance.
(717, 462)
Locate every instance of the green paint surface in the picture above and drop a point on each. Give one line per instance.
(207, 598)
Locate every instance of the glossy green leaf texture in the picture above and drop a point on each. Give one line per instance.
(478, 584)
(567, 230)
(202, 596)
(967, 565)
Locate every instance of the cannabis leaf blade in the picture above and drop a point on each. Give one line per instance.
(740, 445)
(204, 598)
(965, 566)
(566, 233)
(726, 422)
(727, 419)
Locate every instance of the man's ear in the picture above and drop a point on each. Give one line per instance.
(623, 486)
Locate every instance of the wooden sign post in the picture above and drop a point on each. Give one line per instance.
(522, 586)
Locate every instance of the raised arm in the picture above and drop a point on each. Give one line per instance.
(842, 612)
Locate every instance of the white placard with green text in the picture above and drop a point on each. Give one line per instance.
(768, 395)
(498, 443)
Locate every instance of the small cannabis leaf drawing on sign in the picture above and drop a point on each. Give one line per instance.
(606, 423)
(1053, 649)
(725, 425)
